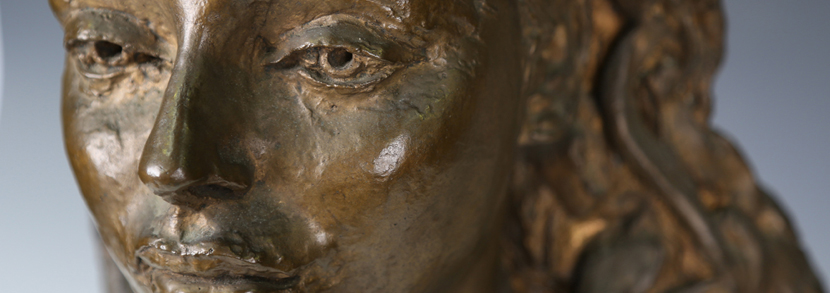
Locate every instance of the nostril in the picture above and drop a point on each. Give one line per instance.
(214, 191)
(202, 195)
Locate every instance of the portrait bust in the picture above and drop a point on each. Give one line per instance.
(414, 146)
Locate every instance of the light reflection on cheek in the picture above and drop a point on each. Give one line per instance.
(392, 156)
(320, 234)
(100, 148)
(113, 151)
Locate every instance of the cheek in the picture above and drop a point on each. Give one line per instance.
(104, 135)
(339, 156)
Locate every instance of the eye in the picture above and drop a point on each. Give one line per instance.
(103, 59)
(338, 66)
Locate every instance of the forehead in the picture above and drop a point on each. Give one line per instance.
(167, 15)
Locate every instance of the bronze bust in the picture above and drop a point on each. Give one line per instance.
(414, 146)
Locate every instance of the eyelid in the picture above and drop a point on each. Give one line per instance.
(117, 27)
(340, 31)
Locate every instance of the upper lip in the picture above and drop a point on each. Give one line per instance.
(211, 262)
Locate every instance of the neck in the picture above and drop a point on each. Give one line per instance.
(485, 275)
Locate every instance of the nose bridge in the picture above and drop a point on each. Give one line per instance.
(166, 163)
(184, 152)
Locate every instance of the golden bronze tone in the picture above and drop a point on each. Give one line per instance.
(414, 146)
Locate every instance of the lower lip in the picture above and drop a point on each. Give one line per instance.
(168, 281)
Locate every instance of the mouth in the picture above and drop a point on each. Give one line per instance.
(211, 267)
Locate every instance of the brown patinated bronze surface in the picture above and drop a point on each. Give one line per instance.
(414, 146)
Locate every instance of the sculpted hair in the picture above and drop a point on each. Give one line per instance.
(621, 184)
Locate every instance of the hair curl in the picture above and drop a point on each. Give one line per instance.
(621, 184)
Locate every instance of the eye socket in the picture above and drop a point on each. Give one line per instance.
(106, 50)
(103, 59)
(337, 66)
(339, 58)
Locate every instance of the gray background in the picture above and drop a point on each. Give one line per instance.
(771, 98)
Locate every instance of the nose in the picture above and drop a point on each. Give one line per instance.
(191, 157)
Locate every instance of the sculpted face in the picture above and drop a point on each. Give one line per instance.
(258, 146)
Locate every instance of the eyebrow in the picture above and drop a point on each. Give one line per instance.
(92, 24)
(395, 5)
(340, 30)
